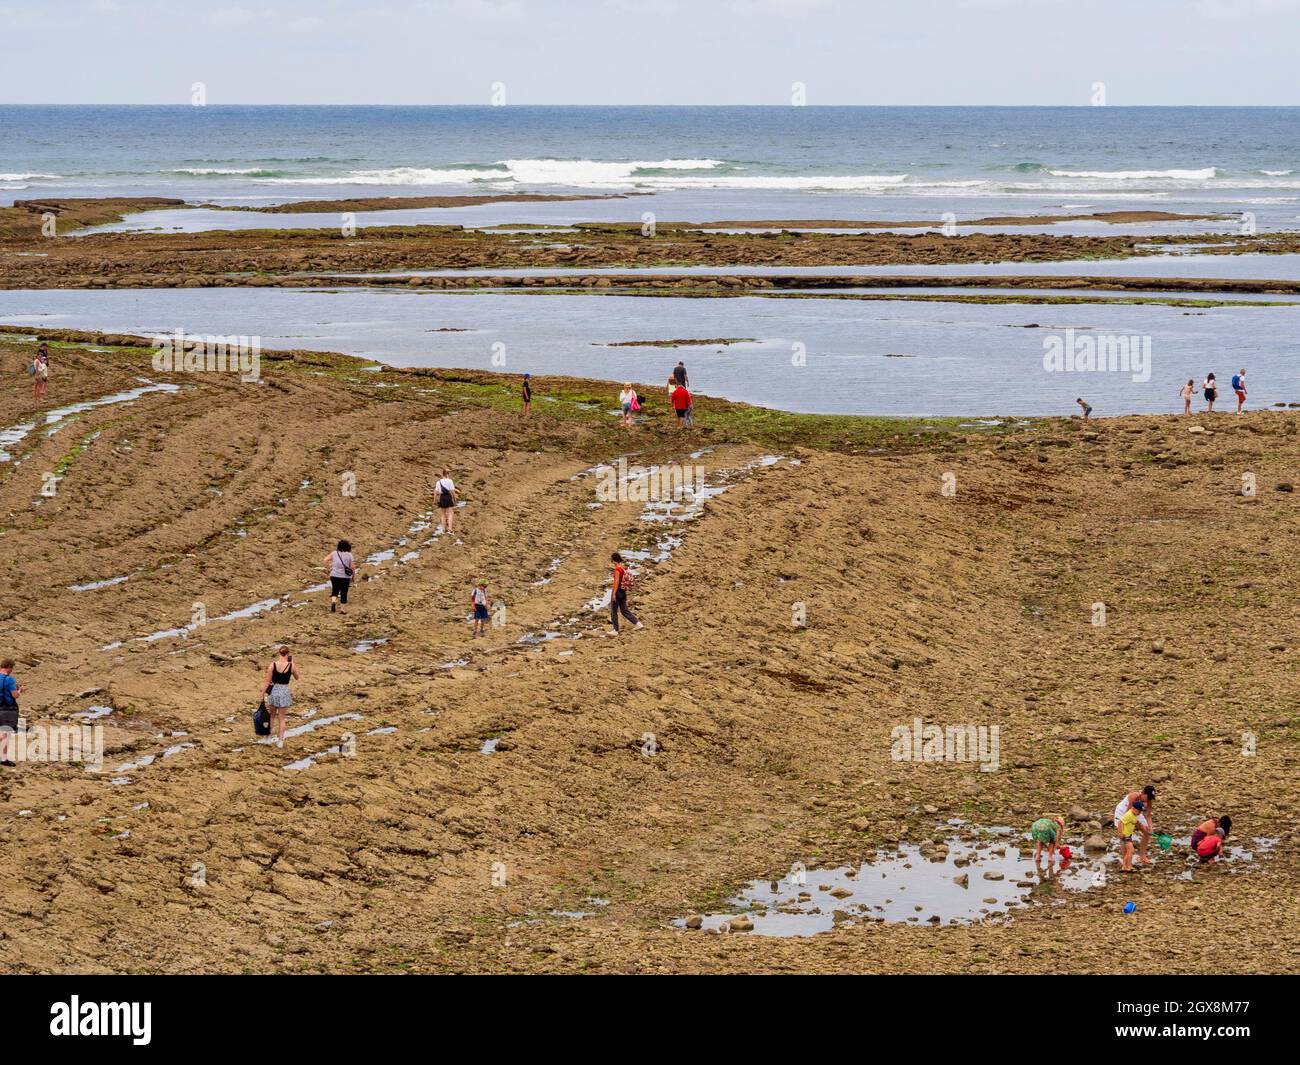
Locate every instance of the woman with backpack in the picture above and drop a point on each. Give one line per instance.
(618, 595)
(341, 570)
(275, 691)
(445, 497)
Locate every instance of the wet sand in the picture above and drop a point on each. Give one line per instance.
(281, 257)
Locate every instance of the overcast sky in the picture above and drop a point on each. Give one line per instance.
(652, 51)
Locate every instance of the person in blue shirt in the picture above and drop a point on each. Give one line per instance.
(1239, 386)
(10, 689)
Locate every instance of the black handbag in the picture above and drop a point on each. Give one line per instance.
(262, 720)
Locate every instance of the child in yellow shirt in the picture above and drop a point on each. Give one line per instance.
(1129, 824)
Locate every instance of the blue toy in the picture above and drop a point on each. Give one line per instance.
(1129, 907)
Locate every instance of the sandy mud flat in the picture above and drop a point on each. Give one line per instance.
(551, 798)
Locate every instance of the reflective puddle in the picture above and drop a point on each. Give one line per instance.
(952, 880)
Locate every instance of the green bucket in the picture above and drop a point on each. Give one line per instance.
(1165, 840)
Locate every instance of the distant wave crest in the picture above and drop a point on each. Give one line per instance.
(598, 174)
(1139, 175)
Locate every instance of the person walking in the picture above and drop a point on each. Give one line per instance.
(10, 689)
(478, 598)
(40, 372)
(682, 405)
(527, 393)
(341, 569)
(618, 594)
(1239, 386)
(627, 403)
(445, 497)
(680, 376)
(275, 691)
(1211, 392)
(1186, 392)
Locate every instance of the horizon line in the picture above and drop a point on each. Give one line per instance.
(772, 106)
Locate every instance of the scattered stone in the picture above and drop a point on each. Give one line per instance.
(740, 923)
(993, 874)
(962, 881)
(695, 921)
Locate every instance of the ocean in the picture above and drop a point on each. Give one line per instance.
(701, 164)
(886, 162)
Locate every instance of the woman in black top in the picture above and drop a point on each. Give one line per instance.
(276, 691)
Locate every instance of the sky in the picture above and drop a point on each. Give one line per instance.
(1043, 52)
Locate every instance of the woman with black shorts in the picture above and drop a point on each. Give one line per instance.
(341, 568)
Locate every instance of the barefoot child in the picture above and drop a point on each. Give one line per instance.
(1129, 825)
(1186, 393)
(1049, 831)
(1148, 797)
(479, 598)
(1087, 410)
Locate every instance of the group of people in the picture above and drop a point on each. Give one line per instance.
(679, 397)
(1132, 820)
(274, 689)
(1210, 390)
(341, 566)
(629, 401)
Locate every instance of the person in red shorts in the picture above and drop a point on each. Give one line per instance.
(1207, 839)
